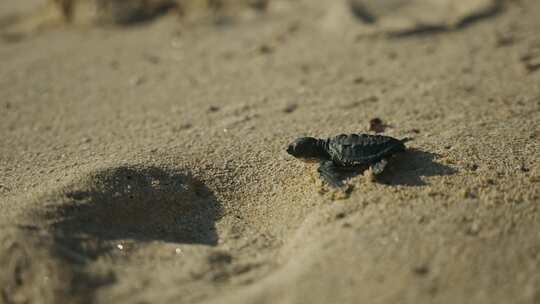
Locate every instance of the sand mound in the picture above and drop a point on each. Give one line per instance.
(403, 17)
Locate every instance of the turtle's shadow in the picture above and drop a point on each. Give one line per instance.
(409, 168)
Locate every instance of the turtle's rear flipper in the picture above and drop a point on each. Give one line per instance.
(378, 167)
(329, 174)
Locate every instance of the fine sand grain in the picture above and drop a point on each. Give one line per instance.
(146, 163)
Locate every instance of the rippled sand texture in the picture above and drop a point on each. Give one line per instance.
(142, 159)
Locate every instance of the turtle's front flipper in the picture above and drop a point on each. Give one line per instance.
(329, 174)
(378, 167)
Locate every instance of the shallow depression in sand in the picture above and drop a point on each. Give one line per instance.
(133, 204)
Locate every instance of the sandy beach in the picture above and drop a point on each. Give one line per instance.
(142, 156)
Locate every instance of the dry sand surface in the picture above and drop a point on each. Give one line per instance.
(145, 162)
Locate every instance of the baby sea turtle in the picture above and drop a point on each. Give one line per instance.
(346, 152)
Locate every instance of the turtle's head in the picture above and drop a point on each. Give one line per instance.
(305, 147)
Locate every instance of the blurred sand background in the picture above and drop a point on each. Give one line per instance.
(142, 151)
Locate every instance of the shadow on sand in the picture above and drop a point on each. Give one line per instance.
(409, 168)
(127, 204)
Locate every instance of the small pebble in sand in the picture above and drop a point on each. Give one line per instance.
(471, 166)
(114, 65)
(305, 68)
(523, 168)
(346, 225)
(151, 58)
(265, 49)
(473, 229)
(371, 99)
(377, 125)
(531, 58)
(503, 39)
(290, 108)
(359, 80)
(259, 5)
(421, 270)
(136, 81)
(185, 126)
(468, 193)
(213, 109)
